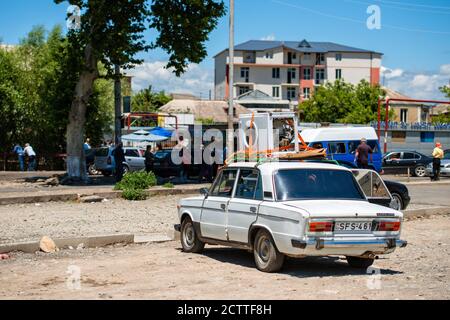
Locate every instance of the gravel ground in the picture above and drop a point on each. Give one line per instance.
(162, 271)
(30, 222)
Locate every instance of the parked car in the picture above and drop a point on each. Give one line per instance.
(400, 161)
(295, 209)
(445, 166)
(165, 168)
(398, 191)
(104, 160)
(341, 143)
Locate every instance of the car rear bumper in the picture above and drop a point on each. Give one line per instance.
(323, 246)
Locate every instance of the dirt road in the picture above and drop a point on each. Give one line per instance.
(162, 271)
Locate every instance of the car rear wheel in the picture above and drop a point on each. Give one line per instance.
(420, 171)
(267, 257)
(126, 169)
(361, 263)
(189, 239)
(397, 201)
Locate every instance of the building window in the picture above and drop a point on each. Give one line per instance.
(276, 92)
(243, 90)
(403, 115)
(294, 56)
(292, 93)
(269, 55)
(399, 136)
(427, 137)
(307, 74)
(245, 72)
(320, 59)
(276, 73)
(320, 76)
(290, 74)
(338, 56)
(306, 93)
(338, 74)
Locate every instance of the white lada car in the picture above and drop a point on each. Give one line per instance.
(293, 209)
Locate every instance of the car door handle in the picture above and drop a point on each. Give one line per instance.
(223, 206)
(253, 209)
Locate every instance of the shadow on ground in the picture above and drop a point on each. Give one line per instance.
(296, 267)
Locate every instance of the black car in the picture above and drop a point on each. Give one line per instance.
(400, 161)
(164, 167)
(399, 191)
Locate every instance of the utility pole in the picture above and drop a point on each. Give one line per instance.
(117, 105)
(230, 135)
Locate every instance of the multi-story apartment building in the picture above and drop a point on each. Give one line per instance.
(290, 70)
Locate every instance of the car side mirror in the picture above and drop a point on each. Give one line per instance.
(204, 192)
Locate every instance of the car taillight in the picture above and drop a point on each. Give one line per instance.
(388, 226)
(321, 226)
(109, 160)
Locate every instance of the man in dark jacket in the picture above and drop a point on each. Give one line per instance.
(149, 159)
(362, 154)
(119, 159)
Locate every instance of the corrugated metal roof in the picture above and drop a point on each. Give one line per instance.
(316, 47)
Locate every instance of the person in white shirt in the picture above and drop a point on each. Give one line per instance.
(31, 157)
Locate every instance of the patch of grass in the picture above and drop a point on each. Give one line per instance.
(134, 194)
(134, 185)
(168, 185)
(137, 180)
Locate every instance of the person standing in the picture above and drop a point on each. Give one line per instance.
(362, 154)
(438, 154)
(149, 159)
(20, 156)
(29, 152)
(119, 159)
(87, 145)
(181, 147)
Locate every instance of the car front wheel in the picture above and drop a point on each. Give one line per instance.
(420, 171)
(189, 239)
(360, 263)
(267, 257)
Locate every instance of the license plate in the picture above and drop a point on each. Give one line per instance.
(353, 226)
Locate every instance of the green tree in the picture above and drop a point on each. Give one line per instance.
(443, 117)
(111, 32)
(342, 102)
(148, 101)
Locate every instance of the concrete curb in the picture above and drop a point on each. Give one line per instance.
(425, 183)
(74, 196)
(88, 242)
(426, 212)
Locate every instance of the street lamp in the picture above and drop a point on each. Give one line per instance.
(230, 135)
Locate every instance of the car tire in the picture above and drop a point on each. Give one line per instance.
(126, 169)
(189, 239)
(360, 263)
(397, 203)
(420, 171)
(267, 257)
(92, 170)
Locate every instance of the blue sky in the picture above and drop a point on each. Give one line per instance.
(414, 37)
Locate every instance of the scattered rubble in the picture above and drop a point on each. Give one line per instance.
(54, 181)
(90, 199)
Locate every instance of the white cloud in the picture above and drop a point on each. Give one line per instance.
(270, 37)
(391, 73)
(423, 85)
(197, 80)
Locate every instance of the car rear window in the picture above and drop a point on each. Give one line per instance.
(102, 152)
(316, 184)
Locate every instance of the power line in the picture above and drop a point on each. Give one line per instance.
(358, 21)
(400, 8)
(414, 4)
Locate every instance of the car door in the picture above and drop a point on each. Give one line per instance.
(131, 157)
(408, 160)
(243, 207)
(213, 221)
(373, 187)
(392, 160)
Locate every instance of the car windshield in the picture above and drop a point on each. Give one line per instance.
(316, 184)
(102, 152)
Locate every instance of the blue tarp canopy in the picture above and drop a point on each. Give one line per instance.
(144, 136)
(161, 132)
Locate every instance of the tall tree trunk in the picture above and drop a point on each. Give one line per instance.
(76, 164)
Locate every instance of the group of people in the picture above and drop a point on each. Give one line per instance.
(23, 153)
